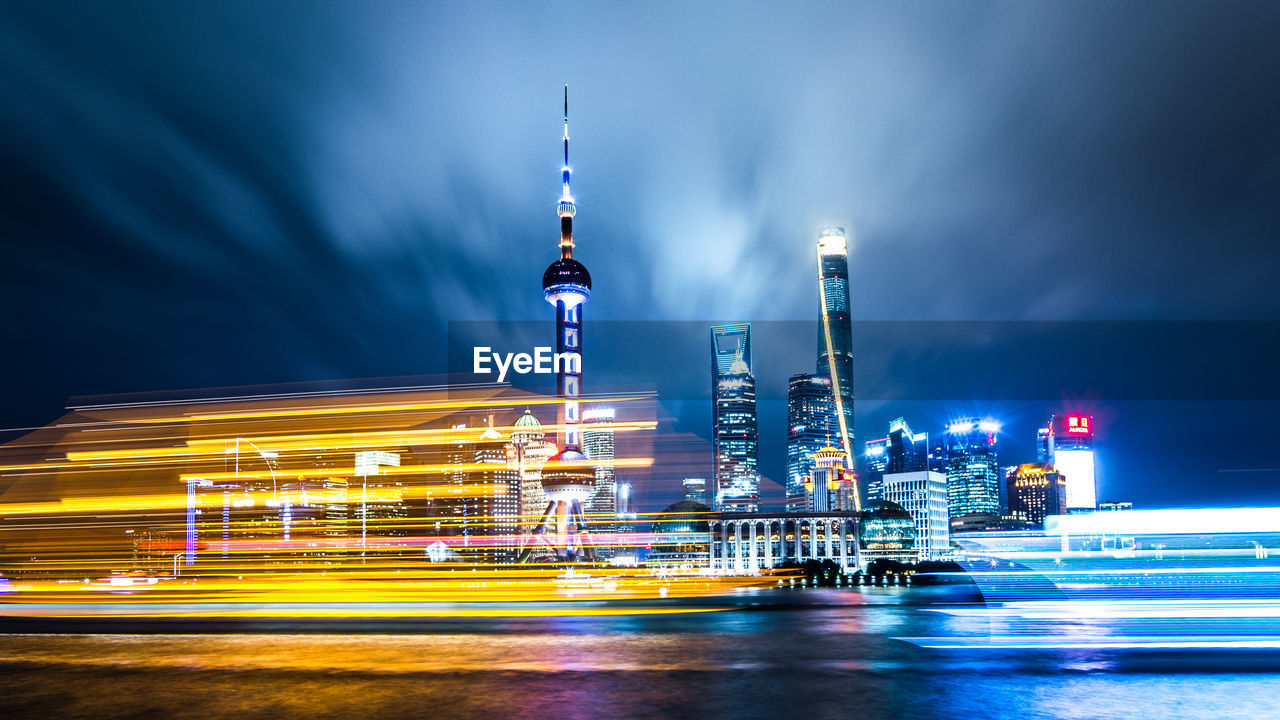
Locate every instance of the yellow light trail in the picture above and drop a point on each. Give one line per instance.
(387, 408)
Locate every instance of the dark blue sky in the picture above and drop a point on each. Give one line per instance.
(234, 193)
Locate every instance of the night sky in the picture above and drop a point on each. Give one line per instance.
(197, 195)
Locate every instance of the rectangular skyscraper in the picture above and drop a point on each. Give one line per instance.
(736, 476)
(1036, 490)
(695, 490)
(1071, 452)
(597, 442)
(901, 451)
(973, 473)
(811, 424)
(923, 494)
(835, 333)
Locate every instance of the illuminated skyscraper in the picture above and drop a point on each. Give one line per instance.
(1071, 452)
(1036, 490)
(875, 462)
(835, 333)
(901, 451)
(380, 509)
(695, 490)
(1043, 452)
(923, 494)
(481, 508)
(597, 442)
(736, 476)
(569, 477)
(973, 473)
(811, 425)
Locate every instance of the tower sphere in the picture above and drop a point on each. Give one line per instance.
(566, 274)
(575, 480)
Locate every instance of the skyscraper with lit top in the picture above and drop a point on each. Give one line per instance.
(901, 451)
(568, 478)
(597, 443)
(835, 332)
(736, 475)
(973, 473)
(811, 425)
(1070, 449)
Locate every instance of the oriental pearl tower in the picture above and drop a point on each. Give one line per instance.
(569, 477)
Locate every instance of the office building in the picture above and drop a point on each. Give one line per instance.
(695, 490)
(481, 502)
(901, 451)
(811, 425)
(1070, 449)
(923, 494)
(736, 475)
(875, 462)
(1036, 491)
(597, 443)
(973, 473)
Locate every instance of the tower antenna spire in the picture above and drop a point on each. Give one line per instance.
(567, 209)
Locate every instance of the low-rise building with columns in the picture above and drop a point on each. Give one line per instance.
(751, 542)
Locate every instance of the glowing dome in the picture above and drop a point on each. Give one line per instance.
(829, 455)
(885, 525)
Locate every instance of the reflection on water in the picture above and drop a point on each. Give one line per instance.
(834, 654)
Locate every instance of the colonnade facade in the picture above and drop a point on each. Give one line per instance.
(749, 543)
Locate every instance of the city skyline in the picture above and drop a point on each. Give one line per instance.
(285, 262)
(898, 385)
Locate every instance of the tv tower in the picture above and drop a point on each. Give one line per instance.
(568, 477)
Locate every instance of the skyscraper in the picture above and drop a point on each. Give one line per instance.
(923, 494)
(380, 509)
(1071, 452)
(811, 425)
(569, 477)
(835, 333)
(736, 476)
(597, 442)
(973, 473)
(901, 451)
(695, 490)
(481, 508)
(1036, 490)
(875, 462)
(1043, 453)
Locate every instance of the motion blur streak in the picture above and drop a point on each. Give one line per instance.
(1146, 580)
(414, 502)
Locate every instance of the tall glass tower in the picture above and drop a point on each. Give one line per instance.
(901, 451)
(597, 442)
(811, 425)
(736, 476)
(973, 473)
(835, 332)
